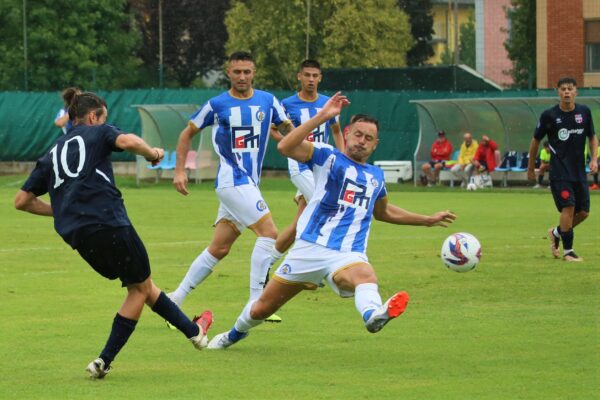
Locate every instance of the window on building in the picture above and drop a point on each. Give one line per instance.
(592, 46)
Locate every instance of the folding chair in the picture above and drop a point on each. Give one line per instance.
(191, 163)
(509, 160)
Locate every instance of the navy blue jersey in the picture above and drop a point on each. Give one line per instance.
(78, 175)
(567, 133)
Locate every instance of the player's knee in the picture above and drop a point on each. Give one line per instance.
(581, 215)
(426, 167)
(260, 311)
(219, 251)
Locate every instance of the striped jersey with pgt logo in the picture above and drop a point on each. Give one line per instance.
(300, 111)
(340, 212)
(240, 133)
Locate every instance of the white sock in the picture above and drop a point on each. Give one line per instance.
(244, 322)
(259, 265)
(366, 297)
(201, 268)
(275, 256)
(555, 233)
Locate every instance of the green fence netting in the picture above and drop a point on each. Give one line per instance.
(27, 129)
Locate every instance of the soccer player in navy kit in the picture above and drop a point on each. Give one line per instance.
(567, 125)
(89, 215)
(332, 233)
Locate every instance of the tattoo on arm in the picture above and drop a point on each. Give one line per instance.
(285, 128)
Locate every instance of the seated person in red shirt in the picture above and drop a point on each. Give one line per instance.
(441, 150)
(485, 156)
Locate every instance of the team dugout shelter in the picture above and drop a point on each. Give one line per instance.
(510, 122)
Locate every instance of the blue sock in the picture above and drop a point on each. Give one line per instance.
(235, 335)
(122, 328)
(567, 239)
(165, 307)
(367, 315)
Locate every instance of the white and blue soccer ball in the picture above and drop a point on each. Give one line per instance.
(471, 186)
(461, 252)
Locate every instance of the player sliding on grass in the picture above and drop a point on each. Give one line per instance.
(89, 215)
(333, 230)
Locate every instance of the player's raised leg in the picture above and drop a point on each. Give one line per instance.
(225, 235)
(360, 279)
(275, 295)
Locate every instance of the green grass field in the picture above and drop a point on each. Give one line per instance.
(522, 325)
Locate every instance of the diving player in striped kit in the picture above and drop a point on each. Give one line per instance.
(241, 119)
(333, 230)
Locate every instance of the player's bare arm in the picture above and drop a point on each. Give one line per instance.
(27, 201)
(338, 137)
(183, 147)
(294, 145)
(386, 212)
(137, 145)
(62, 121)
(278, 132)
(533, 150)
(594, 153)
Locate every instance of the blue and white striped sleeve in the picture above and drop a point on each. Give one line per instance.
(204, 117)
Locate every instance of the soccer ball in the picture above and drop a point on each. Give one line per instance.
(461, 252)
(471, 186)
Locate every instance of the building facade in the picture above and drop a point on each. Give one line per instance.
(568, 42)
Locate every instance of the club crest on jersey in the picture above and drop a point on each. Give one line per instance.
(578, 118)
(354, 195)
(244, 139)
(375, 183)
(260, 116)
(261, 205)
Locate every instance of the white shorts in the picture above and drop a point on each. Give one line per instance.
(307, 264)
(305, 182)
(243, 206)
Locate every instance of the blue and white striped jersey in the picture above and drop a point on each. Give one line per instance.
(299, 111)
(240, 133)
(340, 212)
(60, 113)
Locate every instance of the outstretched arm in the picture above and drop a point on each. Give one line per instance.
(386, 212)
(137, 145)
(27, 201)
(184, 144)
(338, 137)
(533, 151)
(293, 144)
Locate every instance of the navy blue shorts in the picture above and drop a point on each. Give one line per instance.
(433, 162)
(571, 194)
(116, 253)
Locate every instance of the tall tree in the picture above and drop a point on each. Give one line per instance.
(520, 43)
(467, 42)
(12, 71)
(88, 44)
(194, 37)
(342, 33)
(421, 28)
(367, 33)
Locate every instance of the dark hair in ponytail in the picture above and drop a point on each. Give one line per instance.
(68, 93)
(85, 102)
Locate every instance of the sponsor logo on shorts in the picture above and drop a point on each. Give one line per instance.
(578, 118)
(261, 205)
(285, 269)
(565, 194)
